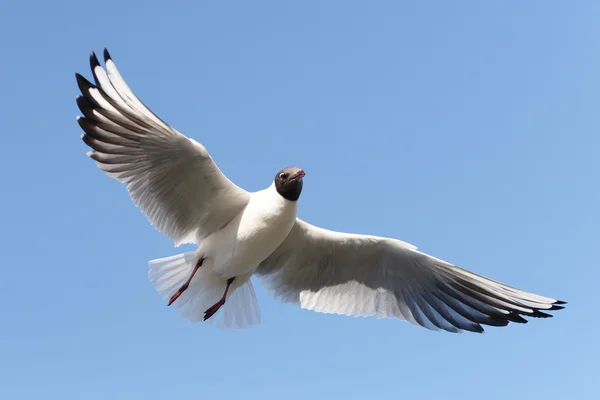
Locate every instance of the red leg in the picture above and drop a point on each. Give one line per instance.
(212, 310)
(186, 284)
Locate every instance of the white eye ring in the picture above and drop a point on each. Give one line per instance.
(283, 175)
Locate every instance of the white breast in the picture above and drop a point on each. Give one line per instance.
(252, 236)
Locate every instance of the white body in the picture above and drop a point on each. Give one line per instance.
(251, 237)
(235, 251)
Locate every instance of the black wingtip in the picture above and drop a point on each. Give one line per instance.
(84, 84)
(539, 314)
(84, 105)
(555, 308)
(83, 123)
(106, 55)
(86, 139)
(514, 317)
(560, 302)
(94, 61)
(93, 64)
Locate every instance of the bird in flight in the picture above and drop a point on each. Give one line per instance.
(240, 234)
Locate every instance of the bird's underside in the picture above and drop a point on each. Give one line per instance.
(183, 193)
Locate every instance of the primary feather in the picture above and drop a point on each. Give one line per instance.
(171, 177)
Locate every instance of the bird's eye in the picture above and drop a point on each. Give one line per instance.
(283, 175)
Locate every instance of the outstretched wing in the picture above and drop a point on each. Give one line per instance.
(341, 273)
(169, 176)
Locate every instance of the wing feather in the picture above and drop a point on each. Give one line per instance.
(350, 274)
(169, 176)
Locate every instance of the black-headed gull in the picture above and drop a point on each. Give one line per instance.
(175, 182)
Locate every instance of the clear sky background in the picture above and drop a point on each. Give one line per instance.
(468, 128)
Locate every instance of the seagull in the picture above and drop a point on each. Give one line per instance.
(174, 181)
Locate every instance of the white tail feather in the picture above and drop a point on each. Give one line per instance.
(206, 288)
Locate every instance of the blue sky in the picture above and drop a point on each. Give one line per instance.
(467, 128)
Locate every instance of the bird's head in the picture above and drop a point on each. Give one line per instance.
(288, 183)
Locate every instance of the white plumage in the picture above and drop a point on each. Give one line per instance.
(239, 234)
(240, 310)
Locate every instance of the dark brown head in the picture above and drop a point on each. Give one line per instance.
(288, 183)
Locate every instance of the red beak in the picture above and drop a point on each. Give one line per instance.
(299, 175)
